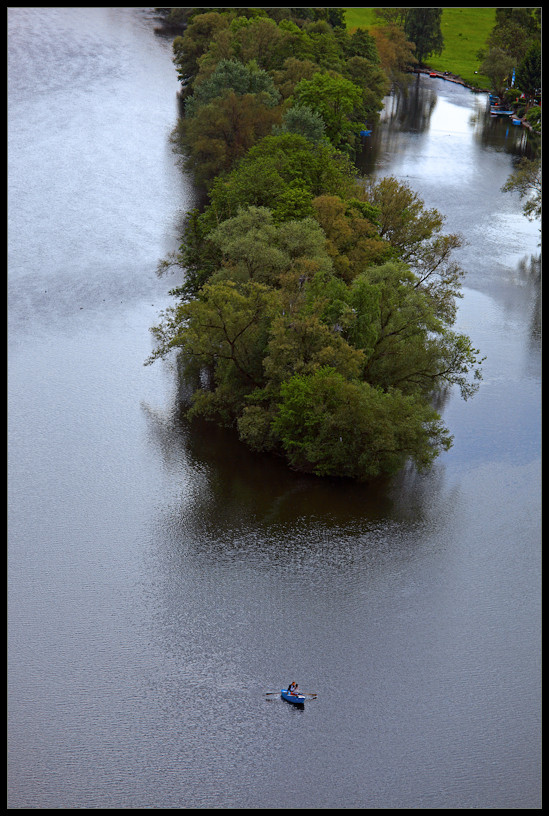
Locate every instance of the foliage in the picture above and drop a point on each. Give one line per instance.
(464, 31)
(514, 43)
(329, 425)
(526, 180)
(414, 234)
(334, 99)
(533, 117)
(395, 52)
(189, 47)
(529, 70)
(498, 67)
(303, 120)
(284, 173)
(232, 75)
(223, 130)
(352, 232)
(253, 247)
(422, 27)
(316, 313)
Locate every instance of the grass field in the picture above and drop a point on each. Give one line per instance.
(465, 31)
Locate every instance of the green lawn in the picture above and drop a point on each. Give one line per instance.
(465, 31)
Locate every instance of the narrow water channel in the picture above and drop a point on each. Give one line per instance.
(161, 578)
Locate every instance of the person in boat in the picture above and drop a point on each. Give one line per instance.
(292, 688)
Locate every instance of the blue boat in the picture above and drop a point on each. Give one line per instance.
(296, 699)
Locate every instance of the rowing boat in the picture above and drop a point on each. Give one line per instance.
(290, 697)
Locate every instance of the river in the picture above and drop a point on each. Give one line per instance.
(161, 578)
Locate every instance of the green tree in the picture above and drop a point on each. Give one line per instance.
(284, 173)
(498, 66)
(361, 43)
(328, 425)
(352, 233)
(292, 72)
(526, 180)
(194, 43)
(265, 42)
(373, 81)
(528, 76)
(335, 99)
(334, 16)
(414, 233)
(253, 246)
(224, 332)
(223, 130)
(322, 46)
(396, 54)
(302, 120)
(422, 27)
(232, 75)
(415, 350)
(515, 30)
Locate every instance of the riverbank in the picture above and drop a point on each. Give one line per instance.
(449, 77)
(465, 31)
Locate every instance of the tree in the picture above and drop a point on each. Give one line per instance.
(335, 99)
(252, 246)
(223, 332)
(266, 42)
(373, 81)
(515, 30)
(352, 232)
(222, 131)
(414, 350)
(392, 16)
(332, 426)
(284, 173)
(514, 34)
(414, 233)
(528, 76)
(189, 47)
(232, 75)
(302, 120)
(396, 54)
(526, 180)
(292, 72)
(498, 66)
(422, 27)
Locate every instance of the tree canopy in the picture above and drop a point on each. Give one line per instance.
(422, 27)
(316, 313)
(514, 44)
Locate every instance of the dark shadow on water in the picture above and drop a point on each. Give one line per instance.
(227, 486)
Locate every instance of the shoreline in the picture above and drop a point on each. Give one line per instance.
(449, 77)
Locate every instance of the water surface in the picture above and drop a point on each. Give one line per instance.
(161, 577)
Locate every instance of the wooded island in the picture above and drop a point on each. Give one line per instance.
(317, 310)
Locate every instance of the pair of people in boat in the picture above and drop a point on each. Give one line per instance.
(292, 688)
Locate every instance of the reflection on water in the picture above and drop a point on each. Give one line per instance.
(410, 112)
(162, 577)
